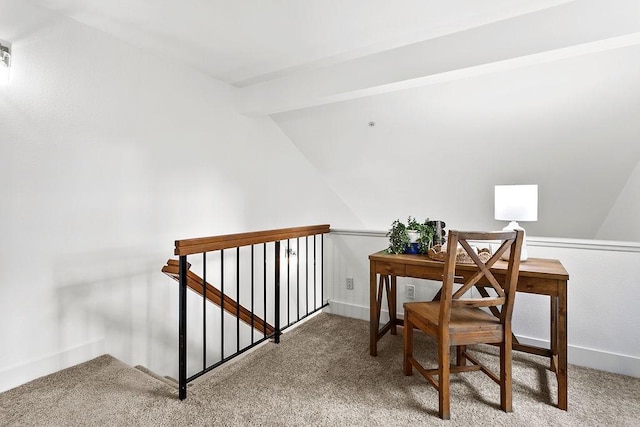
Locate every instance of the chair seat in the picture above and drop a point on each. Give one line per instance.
(464, 320)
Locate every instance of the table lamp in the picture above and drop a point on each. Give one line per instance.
(516, 203)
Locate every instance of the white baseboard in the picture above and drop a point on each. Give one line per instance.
(22, 373)
(595, 359)
(349, 310)
(581, 356)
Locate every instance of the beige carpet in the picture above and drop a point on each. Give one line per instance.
(320, 374)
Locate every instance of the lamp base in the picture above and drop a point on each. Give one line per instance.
(513, 225)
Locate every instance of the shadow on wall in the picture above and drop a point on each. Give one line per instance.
(121, 297)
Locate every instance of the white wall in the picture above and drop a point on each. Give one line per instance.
(624, 214)
(602, 296)
(107, 155)
(437, 151)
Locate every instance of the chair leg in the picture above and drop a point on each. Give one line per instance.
(505, 377)
(407, 345)
(461, 359)
(444, 398)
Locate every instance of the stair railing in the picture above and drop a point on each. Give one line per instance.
(297, 250)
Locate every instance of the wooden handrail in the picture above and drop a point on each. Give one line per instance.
(214, 243)
(194, 282)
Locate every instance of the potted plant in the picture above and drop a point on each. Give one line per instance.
(413, 229)
(398, 238)
(414, 237)
(416, 232)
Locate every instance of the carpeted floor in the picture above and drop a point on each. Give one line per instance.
(320, 374)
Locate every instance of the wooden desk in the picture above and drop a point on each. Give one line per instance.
(537, 276)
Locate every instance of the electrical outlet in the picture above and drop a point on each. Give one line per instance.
(411, 291)
(350, 283)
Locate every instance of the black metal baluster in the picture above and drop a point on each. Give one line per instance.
(204, 310)
(315, 275)
(182, 328)
(252, 292)
(298, 278)
(264, 292)
(221, 304)
(277, 293)
(306, 294)
(238, 298)
(288, 257)
(322, 270)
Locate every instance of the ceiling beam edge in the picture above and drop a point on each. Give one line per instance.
(510, 44)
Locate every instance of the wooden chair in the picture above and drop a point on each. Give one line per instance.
(457, 319)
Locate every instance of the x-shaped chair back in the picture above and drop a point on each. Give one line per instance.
(500, 304)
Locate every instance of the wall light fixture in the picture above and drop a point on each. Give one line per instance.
(5, 62)
(5, 56)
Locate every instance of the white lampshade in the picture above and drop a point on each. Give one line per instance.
(516, 202)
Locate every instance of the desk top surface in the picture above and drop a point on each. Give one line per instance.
(533, 267)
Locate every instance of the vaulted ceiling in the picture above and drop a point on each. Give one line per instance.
(463, 95)
(245, 41)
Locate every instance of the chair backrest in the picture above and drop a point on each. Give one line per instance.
(502, 287)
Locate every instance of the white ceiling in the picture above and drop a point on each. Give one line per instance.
(537, 91)
(246, 41)
(287, 55)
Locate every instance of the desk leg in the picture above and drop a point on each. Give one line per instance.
(377, 289)
(553, 361)
(374, 321)
(559, 346)
(562, 350)
(392, 297)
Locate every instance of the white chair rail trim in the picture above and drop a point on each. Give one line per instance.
(553, 242)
